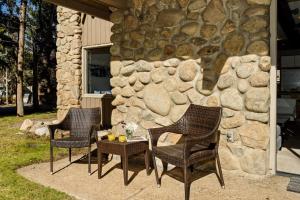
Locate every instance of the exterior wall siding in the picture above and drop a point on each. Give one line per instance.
(104, 103)
(95, 31)
(91, 102)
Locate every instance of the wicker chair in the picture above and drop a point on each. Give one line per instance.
(199, 128)
(82, 124)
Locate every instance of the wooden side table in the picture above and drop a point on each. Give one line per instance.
(123, 149)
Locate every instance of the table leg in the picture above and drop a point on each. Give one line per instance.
(99, 163)
(146, 154)
(121, 163)
(125, 168)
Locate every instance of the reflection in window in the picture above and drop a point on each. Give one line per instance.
(98, 70)
(290, 80)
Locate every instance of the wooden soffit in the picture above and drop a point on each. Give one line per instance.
(97, 8)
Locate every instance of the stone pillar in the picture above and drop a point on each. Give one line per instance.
(68, 56)
(169, 54)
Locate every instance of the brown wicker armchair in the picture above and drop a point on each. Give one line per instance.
(82, 124)
(199, 127)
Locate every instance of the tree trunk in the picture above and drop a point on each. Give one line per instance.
(6, 86)
(36, 46)
(35, 84)
(20, 104)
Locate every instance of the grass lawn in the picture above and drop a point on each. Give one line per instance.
(21, 150)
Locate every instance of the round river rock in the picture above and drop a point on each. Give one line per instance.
(157, 99)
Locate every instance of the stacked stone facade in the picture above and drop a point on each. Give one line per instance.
(168, 54)
(68, 56)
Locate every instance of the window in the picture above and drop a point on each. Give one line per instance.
(97, 70)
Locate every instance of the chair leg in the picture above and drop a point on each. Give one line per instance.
(125, 168)
(89, 159)
(187, 184)
(99, 155)
(51, 159)
(219, 174)
(147, 162)
(155, 170)
(165, 166)
(70, 155)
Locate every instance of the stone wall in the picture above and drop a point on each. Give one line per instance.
(212, 30)
(154, 94)
(170, 53)
(68, 59)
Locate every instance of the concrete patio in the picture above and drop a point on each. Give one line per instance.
(75, 181)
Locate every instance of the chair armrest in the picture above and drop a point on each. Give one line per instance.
(52, 129)
(155, 133)
(59, 125)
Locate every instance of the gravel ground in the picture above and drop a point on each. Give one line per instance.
(75, 181)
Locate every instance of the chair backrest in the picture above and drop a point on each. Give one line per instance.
(80, 120)
(200, 119)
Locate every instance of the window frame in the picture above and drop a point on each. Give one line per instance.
(84, 68)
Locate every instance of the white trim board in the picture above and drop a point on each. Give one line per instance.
(273, 89)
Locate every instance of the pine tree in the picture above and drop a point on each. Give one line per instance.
(9, 28)
(20, 64)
